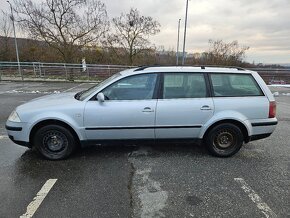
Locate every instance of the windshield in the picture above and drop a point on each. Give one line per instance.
(84, 94)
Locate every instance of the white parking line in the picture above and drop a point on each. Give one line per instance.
(11, 91)
(265, 209)
(73, 87)
(3, 137)
(33, 206)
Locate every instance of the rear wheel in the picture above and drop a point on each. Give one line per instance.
(54, 142)
(224, 140)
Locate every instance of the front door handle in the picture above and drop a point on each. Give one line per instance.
(147, 109)
(205, 108)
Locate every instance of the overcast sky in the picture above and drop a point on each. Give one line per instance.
(264, 25)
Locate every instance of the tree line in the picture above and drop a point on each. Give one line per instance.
(69, 30)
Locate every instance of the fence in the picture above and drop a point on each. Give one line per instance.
(270, 74)
(91, 72)
(57, 71)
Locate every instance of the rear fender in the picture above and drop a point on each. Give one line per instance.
(226, 116)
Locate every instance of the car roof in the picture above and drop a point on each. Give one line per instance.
(183, 69)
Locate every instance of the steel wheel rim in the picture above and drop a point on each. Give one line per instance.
(224, 139)
(54, 141)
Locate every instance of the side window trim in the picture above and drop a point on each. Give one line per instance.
(249, 74)
(161, 86)
(209, 87)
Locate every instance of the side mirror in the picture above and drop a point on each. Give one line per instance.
(100, 97)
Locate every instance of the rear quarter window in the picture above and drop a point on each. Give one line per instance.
(234, 85)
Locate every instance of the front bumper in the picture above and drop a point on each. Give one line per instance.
(22, 143)
(18, 132)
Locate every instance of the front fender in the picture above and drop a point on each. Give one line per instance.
(74, 122)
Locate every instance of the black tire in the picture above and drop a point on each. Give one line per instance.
(54, 142)
(224, 140)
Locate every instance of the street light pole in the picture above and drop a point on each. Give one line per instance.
(185, 25)
(16, 46)
(177, 47)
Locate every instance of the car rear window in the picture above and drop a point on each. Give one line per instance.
(234, 85)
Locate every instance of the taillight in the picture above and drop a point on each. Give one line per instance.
(272, 109)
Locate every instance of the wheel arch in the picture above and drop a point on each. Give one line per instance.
(52, 122)
(239, 124)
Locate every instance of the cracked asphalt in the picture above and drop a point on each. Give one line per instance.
(144, 181)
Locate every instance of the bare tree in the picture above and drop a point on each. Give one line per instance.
(222, 53)
(131, 33)
(5, 33)
(65, 25)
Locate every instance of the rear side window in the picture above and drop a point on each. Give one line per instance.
(234, 85)
(184, 85)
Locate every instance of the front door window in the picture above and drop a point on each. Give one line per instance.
(137, 87)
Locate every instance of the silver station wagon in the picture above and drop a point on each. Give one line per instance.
(221, 108)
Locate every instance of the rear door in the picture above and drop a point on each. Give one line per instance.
(184, 106)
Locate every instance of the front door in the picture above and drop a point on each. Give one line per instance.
(184, 106)
(128, 111)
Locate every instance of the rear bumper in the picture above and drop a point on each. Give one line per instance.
(268, 123)
(259, 136)
(262, 126)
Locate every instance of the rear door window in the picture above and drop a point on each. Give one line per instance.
(184, 85)
(234, 85)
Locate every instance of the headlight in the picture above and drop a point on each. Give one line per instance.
(14, 117)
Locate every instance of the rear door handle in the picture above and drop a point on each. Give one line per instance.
(147, 109)
(205, 108)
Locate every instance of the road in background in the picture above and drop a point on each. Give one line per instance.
(143, 181)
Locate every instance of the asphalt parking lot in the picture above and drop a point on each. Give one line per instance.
(143, 181)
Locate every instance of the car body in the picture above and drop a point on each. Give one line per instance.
(222, 107)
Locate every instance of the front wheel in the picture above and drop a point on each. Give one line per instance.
(54, 142)
(224, 140)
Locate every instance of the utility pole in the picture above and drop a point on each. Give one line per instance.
(177, 47)
(185, 25)
(16, 46)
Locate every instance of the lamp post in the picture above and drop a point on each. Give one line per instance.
(16, 46)
(185, 24)
(177, 47)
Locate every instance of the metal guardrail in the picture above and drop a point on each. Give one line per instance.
(270, 74)
(39, 71)
(58, 71)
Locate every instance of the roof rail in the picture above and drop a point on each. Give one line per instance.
(144, 67)
(204, 66)
(140, 68)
